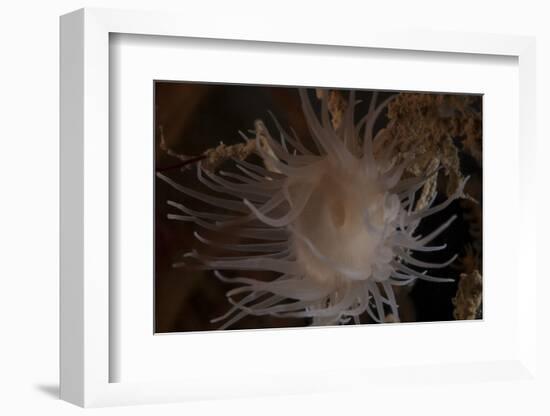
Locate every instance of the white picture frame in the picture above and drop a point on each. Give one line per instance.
(86, 291)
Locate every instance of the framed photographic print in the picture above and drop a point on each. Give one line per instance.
(278, 213)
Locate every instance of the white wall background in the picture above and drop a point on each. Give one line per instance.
(29, 187)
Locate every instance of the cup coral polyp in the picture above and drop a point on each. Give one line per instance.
(337, 224)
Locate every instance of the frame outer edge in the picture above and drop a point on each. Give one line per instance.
(95, 193)
(527, 315)
(72, 208)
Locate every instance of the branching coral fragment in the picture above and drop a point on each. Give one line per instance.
(424, 126)
(215, 157)
(337, 105)
(212, 158)
(468, 297)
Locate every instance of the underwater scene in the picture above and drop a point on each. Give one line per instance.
(279, 207)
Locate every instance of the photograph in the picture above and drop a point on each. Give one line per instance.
(281, 207)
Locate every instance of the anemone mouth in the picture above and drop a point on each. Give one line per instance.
(330, 236)
(338, 225)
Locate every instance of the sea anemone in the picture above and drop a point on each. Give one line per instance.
(337, 224)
